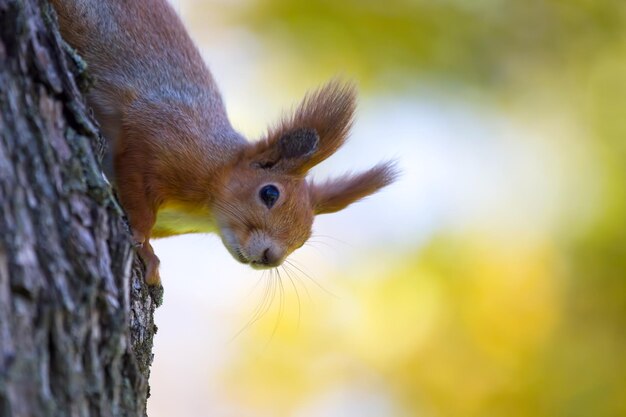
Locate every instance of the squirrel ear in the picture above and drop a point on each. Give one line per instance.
(298, 144)
(287, 154)
(336, 194)
(318, 127)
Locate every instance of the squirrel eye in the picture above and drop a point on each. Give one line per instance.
(269, 194)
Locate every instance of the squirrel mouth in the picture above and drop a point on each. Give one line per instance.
(241, 257)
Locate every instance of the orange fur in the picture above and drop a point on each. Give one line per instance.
(179, 165)
(336, 194)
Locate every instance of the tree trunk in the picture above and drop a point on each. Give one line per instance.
(76, 319)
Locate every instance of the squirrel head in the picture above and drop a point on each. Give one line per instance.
(265, 206)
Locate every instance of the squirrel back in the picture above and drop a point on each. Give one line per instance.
(139, 51)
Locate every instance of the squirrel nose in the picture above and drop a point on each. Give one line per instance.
(265, 259)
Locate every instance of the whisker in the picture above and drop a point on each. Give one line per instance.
(274, 286)
(298, 279)
(261, 309)
(312, 246)
(264, 300)
(293, 264)
(296, 290)
(236, 214)
(281, 304)
(332, 238)
(256, 284)
(319, 242)
(239, 214)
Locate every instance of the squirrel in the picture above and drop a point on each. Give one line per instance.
(179, 166)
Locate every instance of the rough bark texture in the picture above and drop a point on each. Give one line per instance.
(76, 319)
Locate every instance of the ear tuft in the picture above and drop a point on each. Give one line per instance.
(336, 194)
(322, 122)
(300, 143)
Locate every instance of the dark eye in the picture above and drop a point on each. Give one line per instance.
(269, 194)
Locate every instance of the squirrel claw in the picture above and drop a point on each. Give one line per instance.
(138, 239)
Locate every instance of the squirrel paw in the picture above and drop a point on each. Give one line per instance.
(152, 262)
(152, 273)
(138, 239)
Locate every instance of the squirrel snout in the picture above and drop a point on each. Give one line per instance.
(267, 258)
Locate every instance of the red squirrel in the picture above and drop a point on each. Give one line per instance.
(179, 166)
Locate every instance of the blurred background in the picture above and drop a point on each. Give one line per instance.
(488, 281)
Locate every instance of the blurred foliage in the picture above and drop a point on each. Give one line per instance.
(490, 42)
(471, 326)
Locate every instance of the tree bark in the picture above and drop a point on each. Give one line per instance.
(76, 319)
